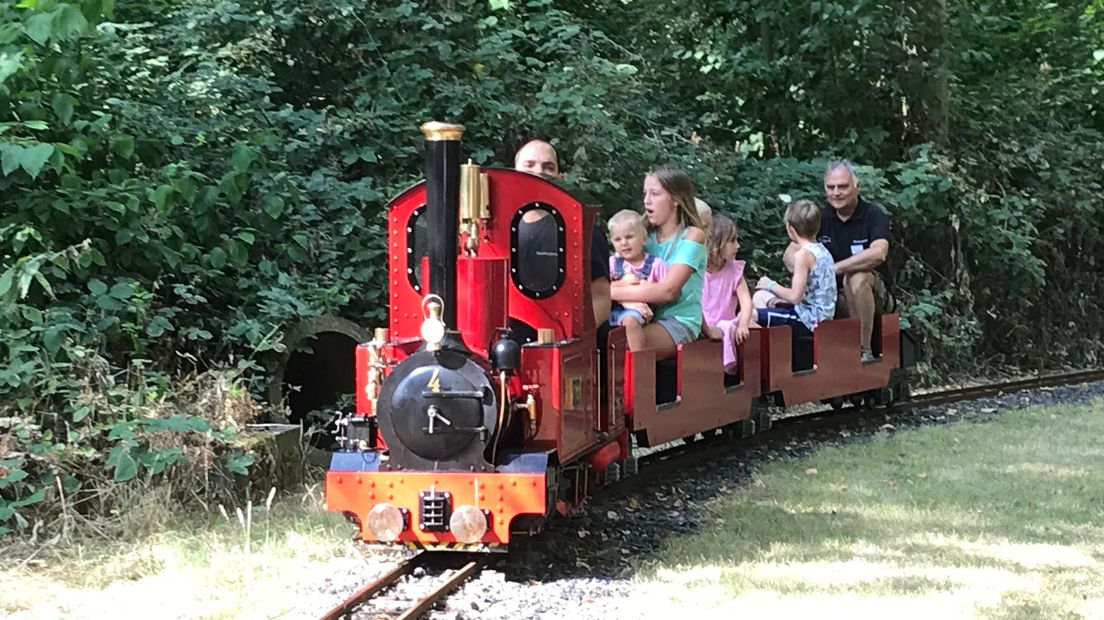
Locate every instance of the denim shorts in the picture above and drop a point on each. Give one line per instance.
(619, 314)
(680, 333)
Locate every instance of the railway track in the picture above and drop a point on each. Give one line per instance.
(942, 397)
(358, 603)
(670, 454)
(674, 456)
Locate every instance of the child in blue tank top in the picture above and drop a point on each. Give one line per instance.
(811, 296)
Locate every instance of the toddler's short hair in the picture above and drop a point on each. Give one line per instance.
(804, 216)
(627, 217)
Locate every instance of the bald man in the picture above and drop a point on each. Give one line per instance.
(540, 158)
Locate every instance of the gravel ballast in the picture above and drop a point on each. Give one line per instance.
(583, 566)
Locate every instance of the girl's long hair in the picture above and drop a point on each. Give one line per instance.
(682, 190)
(722, 231)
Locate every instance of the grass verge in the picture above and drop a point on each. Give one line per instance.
(209, 566)
(1002, 519)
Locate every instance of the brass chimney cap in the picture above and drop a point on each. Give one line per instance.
(435, 131)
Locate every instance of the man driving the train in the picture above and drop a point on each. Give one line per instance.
(540, 158)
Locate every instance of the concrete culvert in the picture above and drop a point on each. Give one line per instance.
(316, 370)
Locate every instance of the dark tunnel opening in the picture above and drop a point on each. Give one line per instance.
(319, 379)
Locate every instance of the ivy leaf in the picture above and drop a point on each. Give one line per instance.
(10, 63)
(97, 287)
(126, 467)
(39, 27)
(70, 21)
(35, 157)
(122, 291)
(11, 155)
(239, 253)
(13, 476)
(218, 258)
(239, 463)
(273, 206)
(52, 339)
(243, 157)
(63, 107)
(160, 196)
(123, 145)
(5, 282)
(108, 303)
(158, 326)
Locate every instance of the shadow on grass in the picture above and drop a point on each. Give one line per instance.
(1014, 500)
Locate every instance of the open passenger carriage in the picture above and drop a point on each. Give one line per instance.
(461, 435)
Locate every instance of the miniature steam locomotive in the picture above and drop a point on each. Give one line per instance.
(462, 437)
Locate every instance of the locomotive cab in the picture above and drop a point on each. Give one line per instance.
(456, 425)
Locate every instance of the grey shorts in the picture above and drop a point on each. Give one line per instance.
(680, 333)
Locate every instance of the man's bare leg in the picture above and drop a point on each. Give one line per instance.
(858, 289)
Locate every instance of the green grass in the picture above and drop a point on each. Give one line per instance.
(203, 566)
(1003, 519)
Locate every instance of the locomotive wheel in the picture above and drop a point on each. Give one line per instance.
(630, 467)
(901, 392)
(836, 403)
(611, 475)
(747, 428)
(689, 439)
(763, 422)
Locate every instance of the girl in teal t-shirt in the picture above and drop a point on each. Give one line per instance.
(675, 236)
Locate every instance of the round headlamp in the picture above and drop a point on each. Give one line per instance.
(386, 522)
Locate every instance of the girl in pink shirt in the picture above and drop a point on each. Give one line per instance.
(726, 299)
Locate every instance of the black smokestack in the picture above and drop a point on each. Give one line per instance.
(442, 157)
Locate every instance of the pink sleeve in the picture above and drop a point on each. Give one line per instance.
(659, 271)
(612, 265)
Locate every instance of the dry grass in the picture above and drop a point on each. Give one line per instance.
(207, 566)
(994, 520)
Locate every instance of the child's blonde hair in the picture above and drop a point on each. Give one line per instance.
(723, 231)
(627, 217)
(804, 216)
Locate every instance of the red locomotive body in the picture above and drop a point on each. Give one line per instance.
(461, 436)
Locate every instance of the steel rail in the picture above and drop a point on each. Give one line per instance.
(443, 590)
(947, 396)
(1016, 385)
(358, 598)
(804, 422)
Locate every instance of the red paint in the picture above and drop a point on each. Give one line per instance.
(526, 497)
(601, 458)
(837, 369)
(562, 376)
(482, 283)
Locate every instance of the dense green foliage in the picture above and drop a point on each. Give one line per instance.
(182, 181)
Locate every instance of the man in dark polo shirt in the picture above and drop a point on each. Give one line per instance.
(540, 158)
(856, 233)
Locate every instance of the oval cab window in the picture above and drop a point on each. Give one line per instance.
(537, 256)
(417, 236)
